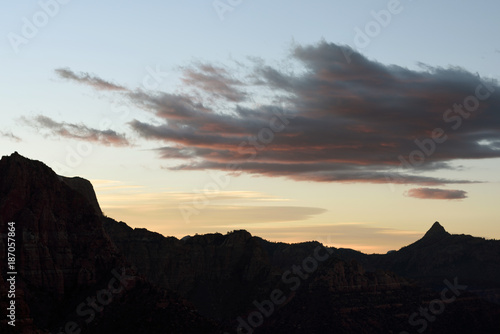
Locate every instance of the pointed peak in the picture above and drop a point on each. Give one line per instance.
(436, 226)
(436, 230)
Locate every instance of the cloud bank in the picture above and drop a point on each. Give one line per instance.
(329, 120)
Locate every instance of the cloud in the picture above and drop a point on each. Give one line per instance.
(215, 81)
(333, 120)
(435, 193)
(88, 79)
(223, 208)
(221, 215)
(9, 135)
(77, 131)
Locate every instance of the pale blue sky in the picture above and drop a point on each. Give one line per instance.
(120, 41)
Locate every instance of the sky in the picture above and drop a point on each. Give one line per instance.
(356, 124)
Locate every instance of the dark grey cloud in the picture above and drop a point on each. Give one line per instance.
(331, 121)
(77, 131)
(435, 193)
(88, 79)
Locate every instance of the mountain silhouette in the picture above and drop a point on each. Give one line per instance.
(68, 252)
(440, 254)
(64, 256)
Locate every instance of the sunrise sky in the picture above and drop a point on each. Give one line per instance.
(354, 124)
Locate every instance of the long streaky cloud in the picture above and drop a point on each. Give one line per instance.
(88, 79)
(77, 131)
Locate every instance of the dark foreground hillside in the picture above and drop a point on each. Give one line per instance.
(81, 272)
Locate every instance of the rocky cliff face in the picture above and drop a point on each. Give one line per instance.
(85, 188)
(63, 253)
(61, 245)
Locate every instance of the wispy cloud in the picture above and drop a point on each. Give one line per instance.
(436, 193)
(215, 81)
(226, 208)
(76, 131)
(9, 135)
(88, 79)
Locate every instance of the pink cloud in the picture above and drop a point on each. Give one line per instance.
(436, 193)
